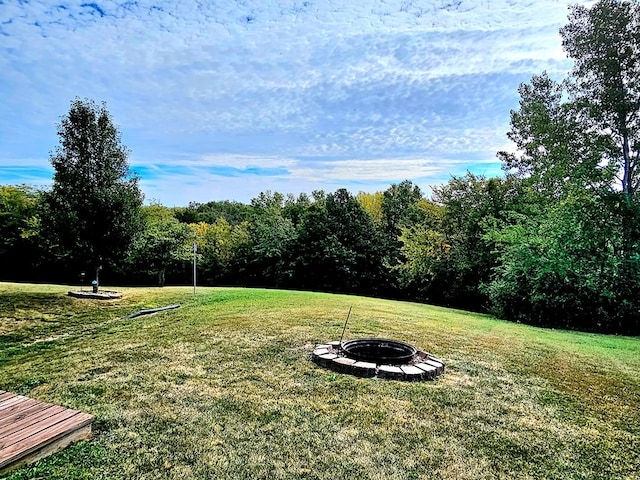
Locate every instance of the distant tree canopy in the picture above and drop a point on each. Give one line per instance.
(93, 207)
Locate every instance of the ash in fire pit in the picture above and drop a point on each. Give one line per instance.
(378, 357)
(379, 350)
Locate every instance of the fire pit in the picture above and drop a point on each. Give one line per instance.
(379, 350)
(378, 357)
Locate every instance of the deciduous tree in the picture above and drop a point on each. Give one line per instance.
(604, 42)
(93, 207)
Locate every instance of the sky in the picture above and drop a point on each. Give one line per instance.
(224, 99)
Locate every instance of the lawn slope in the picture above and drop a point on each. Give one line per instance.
(223, 388)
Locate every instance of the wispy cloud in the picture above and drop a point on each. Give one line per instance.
(276, 91)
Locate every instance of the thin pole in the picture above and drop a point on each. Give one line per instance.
(345, 326)
(195, 249)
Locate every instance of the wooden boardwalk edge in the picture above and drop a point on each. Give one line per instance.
(31, 430)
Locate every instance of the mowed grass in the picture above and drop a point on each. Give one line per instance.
(223, 388)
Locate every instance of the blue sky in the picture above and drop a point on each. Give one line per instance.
(224, 99)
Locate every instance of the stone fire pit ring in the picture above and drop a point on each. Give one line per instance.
(378, 358)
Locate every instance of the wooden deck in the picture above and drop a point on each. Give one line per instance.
(31, 430)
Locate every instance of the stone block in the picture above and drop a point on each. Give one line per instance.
(439, 366)
(364, 369)
(391, 372)
(412, 373)
(429, 370)
(324, 360)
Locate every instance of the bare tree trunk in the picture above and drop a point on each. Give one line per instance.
(627, 181)
(161, 278)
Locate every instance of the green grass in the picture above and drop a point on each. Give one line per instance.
(223, 388)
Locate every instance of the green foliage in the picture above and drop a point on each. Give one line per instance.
(465, 208)
(267, 257)
(372, 204)
(220, 249)
(422, 249)
(20, 234)
(18, 215)
(572, 260)
(399, 209)
(604, 42)
(569, 267)
(339, 246)
(558, 151)
(233, 212)
(93, 207)
(164, 244)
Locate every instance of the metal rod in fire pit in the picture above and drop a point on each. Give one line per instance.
(345, 326)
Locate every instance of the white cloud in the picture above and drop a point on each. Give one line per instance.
(262, 84)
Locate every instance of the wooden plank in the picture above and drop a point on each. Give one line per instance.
(83, 433)
(30, 427)
(21, 413)
(18, 407)
(10, 402)
(4, 395)
(45, 437)
(38, 420)
(31, 430)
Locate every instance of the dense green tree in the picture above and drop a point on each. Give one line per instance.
(569, 268)
(19, 230)
(339, 248)
(233, 212)
(267, 256)
(399, 211)
(557, 150)
(93, 207)
(604, 42)
(269, 201)
(399, 207)
(372, 204)
(163, 245)
(18, 215)
(423, 251)
(424, 248)
(471, 206)
(222, 248)
(294, 207)
(572, 260)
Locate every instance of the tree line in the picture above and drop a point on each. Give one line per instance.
(555, 241)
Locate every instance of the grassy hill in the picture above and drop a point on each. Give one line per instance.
(223, 388)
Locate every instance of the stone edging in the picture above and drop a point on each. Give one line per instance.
(423, 366)
(100, 295)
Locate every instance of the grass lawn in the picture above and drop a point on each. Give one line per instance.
(223, 388)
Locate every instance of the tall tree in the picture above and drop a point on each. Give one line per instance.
(339, 247)
(558, 152)
(471, 205)
(93, 207)
(399, 210)
(570, 267)
(604, 42)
